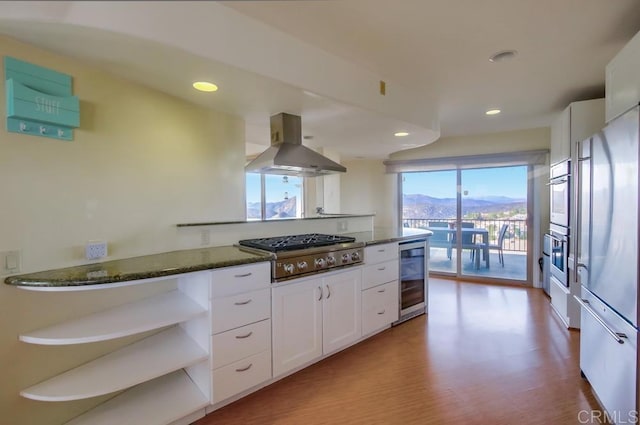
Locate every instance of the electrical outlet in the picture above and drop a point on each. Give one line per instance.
(95, 250)
(343, 226)
(10, 262)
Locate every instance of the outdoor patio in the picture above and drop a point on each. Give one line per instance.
(515, 264)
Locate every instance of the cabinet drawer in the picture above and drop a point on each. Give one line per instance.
(231, 346)
(241, 375)
(376, 274)
(378, 253)
(239, 310)
(379, 307)
(235, 280)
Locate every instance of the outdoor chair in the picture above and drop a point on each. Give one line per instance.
(498, 245)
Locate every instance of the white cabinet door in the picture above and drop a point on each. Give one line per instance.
(342, 318)
(560, 137)
(297, 324)
(623, 80)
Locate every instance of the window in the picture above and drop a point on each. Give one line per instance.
(273, 197)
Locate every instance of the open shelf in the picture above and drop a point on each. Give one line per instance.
(157, 402)
(150, 313)
(146, 359)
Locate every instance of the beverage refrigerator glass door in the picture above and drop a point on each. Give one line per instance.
(413, 278)
(559, 185)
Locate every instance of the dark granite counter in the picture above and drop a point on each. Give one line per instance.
(387, 235)
(145, 267)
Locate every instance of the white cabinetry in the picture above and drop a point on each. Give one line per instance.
(623, 80)
(380, 305)
(578, 121)
(241, 329)
(314, 317)
(164, 374)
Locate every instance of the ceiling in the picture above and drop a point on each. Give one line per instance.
(436, 50)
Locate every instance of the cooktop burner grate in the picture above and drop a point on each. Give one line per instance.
(294, 242)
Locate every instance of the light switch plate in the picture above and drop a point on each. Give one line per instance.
(10, 262)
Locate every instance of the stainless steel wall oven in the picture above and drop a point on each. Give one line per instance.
(559, 254)
(559, 187)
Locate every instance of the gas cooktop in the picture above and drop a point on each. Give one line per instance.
(295, 242)
(301, 255)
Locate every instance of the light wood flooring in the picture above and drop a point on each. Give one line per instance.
(484, 354)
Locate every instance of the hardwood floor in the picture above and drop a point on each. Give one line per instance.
(483, 355)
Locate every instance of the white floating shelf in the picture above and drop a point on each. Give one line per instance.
(158, 402)
(146, 359)
(150, 313)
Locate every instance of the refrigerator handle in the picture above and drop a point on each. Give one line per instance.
(618, 336)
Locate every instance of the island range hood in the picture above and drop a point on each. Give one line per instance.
(287, 155)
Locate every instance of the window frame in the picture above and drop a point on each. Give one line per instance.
(263, 196)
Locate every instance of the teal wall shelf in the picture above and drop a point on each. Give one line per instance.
(39, 101)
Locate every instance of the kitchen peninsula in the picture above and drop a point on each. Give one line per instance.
(203, 342)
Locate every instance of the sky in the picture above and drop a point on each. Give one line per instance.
(504, 181)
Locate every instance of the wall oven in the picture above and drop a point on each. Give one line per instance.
(559, 186)
(558, 240)
(413, 280)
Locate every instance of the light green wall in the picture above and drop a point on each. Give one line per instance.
(141, 162)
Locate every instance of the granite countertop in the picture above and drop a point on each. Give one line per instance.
(387, 235)
(145, 267)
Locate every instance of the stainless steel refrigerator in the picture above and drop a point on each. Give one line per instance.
(607, 264)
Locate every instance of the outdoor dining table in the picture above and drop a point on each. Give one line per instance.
(484, 245)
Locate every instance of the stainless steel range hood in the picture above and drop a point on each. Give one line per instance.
(287, 155)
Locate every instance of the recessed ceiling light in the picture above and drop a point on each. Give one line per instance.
(503, 56)
(401, 134)
(205, 86)
(493, 112)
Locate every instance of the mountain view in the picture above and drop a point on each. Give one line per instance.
(280, 209)
(490, 207)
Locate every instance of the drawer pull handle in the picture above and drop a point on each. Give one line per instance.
(380, 291)
(244, 369)
(243, 275)
(243, 302)
(381, 268)
(615, 335)
(320, 288)
(381, 250)
(244, 336)
(328, 292)
(382, 312)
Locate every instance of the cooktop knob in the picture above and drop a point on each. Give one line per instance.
(288, 268)
(302, 265)
(346, 258)
(355, 256)
(331, 261)
(319, 263)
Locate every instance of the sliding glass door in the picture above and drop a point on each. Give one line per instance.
(430, 201)
(478, 216)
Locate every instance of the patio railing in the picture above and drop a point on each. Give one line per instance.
(514, 240)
